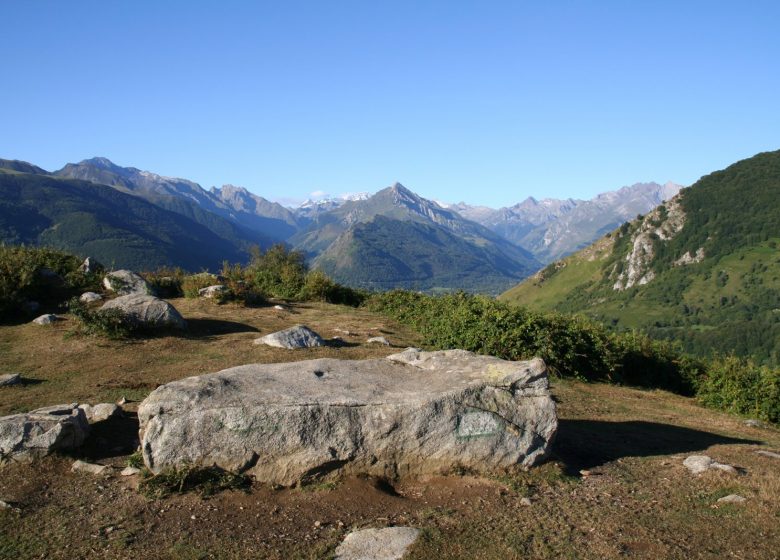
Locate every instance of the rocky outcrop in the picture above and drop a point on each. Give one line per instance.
(147, 312)
(687, 258)
(299, 336)
(662, 224)
(24, 437)
(408, 414)
(125, 282)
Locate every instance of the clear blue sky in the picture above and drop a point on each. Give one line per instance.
(486, 102)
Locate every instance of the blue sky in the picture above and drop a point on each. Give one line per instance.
(487, 102)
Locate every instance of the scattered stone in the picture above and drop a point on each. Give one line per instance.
(212, 291)
(10, 379)
(125, 282)
(753, 423)
(122, 401)
(732, 499)
(100, 412)
(525, 501)
(148, 311)
(299, 336)
(46, 319)
(343, 331)
(766, 453)
(90, 297)
(130, 471)
(698, 464)
(411, 413)
(279, 307)
(24, 437)
(91, 468)
(378, 340)
(5, 505)
(390, 543)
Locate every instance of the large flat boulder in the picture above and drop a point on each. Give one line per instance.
(408, 414)
(147, 311)
(24, 437)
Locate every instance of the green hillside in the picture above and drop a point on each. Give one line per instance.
(704, 269)
(117, 229)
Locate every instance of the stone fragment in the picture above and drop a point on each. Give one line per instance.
(24, 437)
(212, 291)
(698, 464)
(90, 297)
(91, 468)
(412, 413)
(732, 499)
(299, 336)
(770, 454)
(10, 379)
(390, 543)
(278, 307)
(130, 471)
(147, 311)
(100, 412)
(378, 340)
(125, 282)
(46, 319)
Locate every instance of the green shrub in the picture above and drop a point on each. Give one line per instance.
(319, 287)
(738, 385)
(166, 282)
(47, 276)
(204, 481)
(279, 272)
(191, 285)
(111, 323)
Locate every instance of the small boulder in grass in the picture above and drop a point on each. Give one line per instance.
(698, 464)
(299, 336)
(90, 297)
(732, 499)
(378, 340)
(91, 468)
(211, 292)
(10, 379)
(100, 412)
(47, 319)
(390, 543)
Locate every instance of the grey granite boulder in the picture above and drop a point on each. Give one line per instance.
(100, 411)
(125, 282)
(147, 311)
(90, 297)
(299, 336)
(378, 340)
(34, 434)
(47, 319)
(697, 464)
(389, 543)
(408, 414)
(213, 291)
(8, 379)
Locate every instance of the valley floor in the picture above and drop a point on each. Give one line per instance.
(614, 487)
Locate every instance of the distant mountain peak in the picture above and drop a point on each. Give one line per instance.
(100, 162)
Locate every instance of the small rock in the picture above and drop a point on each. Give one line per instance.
(130, 471)
(100, 412)
(5, 505)
(525, 501)
(766, 453)
(121, 401)
(378, 340)
(752, 423)
(279, 307)
(212, 291)
(390, 543)
(10, 379)
(46, 319)
(89, 266)
(343, 331)
(698, 464)
(732, 499)
(318, 524)
(299, 336)
(90, 297)
(91, 468)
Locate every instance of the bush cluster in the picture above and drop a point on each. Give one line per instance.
(575, 347)
(46, 276)
(111, 323)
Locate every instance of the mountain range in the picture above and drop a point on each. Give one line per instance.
(703, 269)
(393, 238)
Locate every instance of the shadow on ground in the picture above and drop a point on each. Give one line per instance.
(584, 444)
(112, 438)
(199, 328)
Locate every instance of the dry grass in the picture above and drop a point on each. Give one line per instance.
(637, 500)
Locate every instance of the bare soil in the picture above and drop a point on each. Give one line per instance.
(614, 487)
